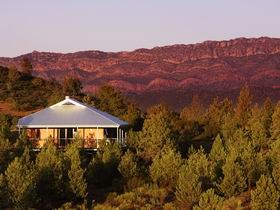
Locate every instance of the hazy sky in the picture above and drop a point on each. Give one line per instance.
(117, 25)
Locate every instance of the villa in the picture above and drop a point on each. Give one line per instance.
(69, 119)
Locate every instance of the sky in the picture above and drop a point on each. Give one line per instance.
(125, 25)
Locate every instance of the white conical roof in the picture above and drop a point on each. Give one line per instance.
(70, 113)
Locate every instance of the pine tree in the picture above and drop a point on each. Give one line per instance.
(3, 193)
(20, 177)
(198, 163)
(51, 175)
(276, 175)
(218, 150)
(188, 188)
(258, 126)
(156, 132)
(76, 173)
(6, 154)
(243, 107)
(165, 167)
(215, 116)
(111, 100)
(265, 196)
(194, 111)
(72, 86)
(234, 181)
(209, 201)
(218, 155)
(275, 125)
(128, 165)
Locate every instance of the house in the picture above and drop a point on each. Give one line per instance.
(69, 119)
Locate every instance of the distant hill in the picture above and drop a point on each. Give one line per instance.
(171, 74)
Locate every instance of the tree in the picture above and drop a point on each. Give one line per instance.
(165, 167)
(215, 116)
(111, 100)
(133, 116)
(5, 154)
(51, 176)
(20, 177)
(72, 86)
(188, 188)
(156, 132)
(218, 154)
(275, 125)
(103, 168)
(209, 201)
(26, 66)
(194, 175)
(3, 193)
(243, 107)
(218, 151)
(76, 173)
(234, 181)
(276, 175)
(194, 111)
(265, 196)
(128, 165)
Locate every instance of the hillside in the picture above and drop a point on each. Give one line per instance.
(21, 92)
(171, 74)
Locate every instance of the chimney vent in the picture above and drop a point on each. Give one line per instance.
(66, 97)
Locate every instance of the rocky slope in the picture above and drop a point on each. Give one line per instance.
(171, 74)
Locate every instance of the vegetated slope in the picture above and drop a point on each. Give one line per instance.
(23, 92)
(171, 74)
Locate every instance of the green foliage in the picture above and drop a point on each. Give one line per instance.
(128, 165)
(276, 175)
(6, 154)
(215, 116)
(21, 185)
(243, 107)
(24, 91)
(218, 155)
(265, 196)
(140, 198)
(3, 193)
(194, 111)
(188, 188)
(275, 125)
(51, 176)
(71, 206)
(164, 170)
(156, 132)
(72, 86)
(76, 173)
(198, 163)
(104, 166)
(218, 151)
(209, 201)
(258, 126)
(234, 181)
(111, 101)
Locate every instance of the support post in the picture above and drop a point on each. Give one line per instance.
(97, 136)
(48, 133)
(118, 134)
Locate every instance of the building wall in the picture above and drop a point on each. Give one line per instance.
(91, 137)
(48, 133)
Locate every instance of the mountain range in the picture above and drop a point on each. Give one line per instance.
(171, 74)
